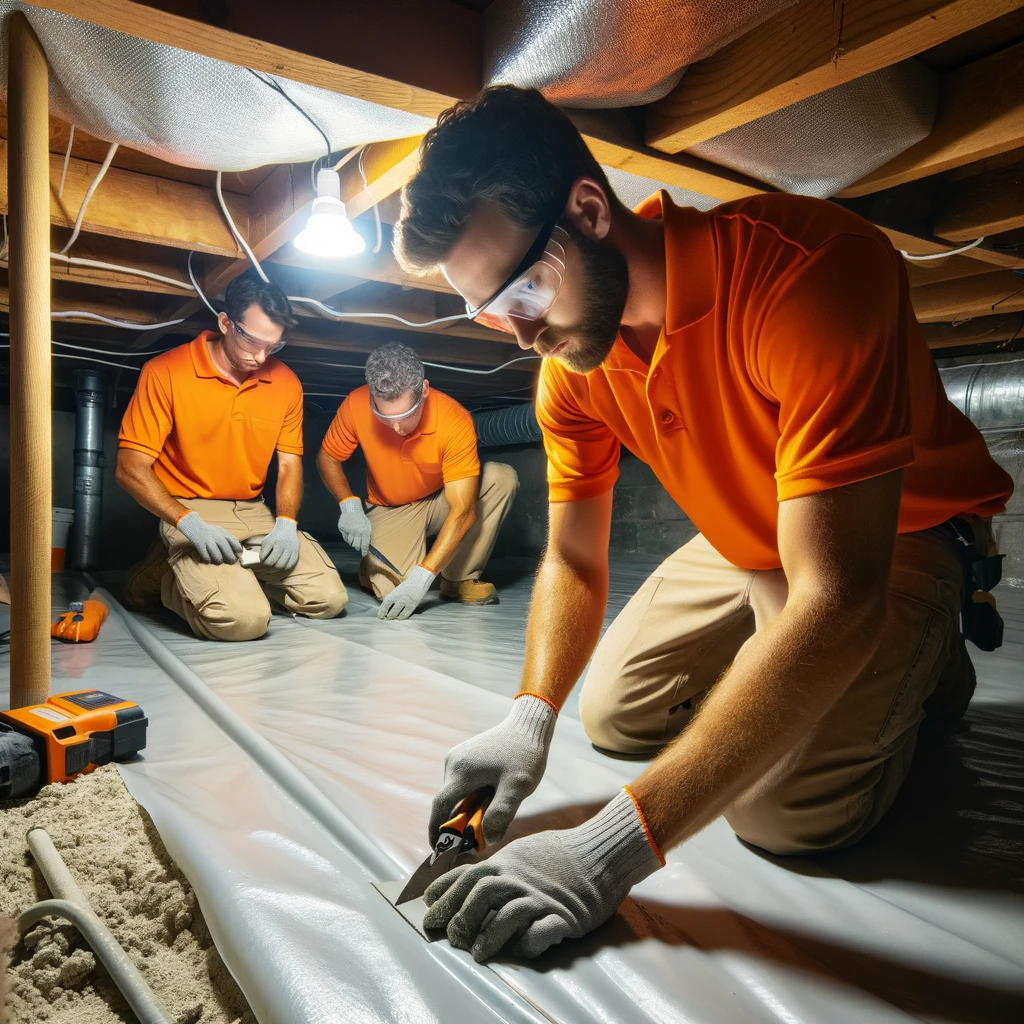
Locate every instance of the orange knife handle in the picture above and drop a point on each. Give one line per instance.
(470, 811)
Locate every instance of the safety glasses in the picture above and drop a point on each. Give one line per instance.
(255, 345)
(394, 417)
(531, 289)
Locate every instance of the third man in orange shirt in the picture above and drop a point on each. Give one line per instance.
(423, 479)
(764, 359)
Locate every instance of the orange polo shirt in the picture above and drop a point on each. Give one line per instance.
(399, 469)
(790, 363)
(210, 437)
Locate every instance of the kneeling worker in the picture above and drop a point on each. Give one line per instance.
(423, 477)
(195, 445)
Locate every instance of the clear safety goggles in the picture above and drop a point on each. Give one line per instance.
(394, 417)
(531, 289)
(256, 345)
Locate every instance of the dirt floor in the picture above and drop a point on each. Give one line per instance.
(116, 856)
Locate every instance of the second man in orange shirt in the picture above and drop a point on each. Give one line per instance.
(423, 479)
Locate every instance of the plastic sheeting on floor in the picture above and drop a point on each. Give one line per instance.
(349, 721)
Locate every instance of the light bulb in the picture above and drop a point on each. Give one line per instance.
(329, 233)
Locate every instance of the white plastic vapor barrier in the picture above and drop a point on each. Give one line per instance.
(286, 774)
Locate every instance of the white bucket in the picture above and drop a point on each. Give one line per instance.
(62, 520)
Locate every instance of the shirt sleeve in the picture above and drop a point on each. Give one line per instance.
(342, 439)
(583, 453)
(833, 354)
(148, 420)
(459, 457)
(289, 440)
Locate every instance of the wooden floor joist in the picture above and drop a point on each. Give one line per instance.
(802, 51)
(982, 295)
(984, 205)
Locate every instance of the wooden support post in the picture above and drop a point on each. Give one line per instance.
(31, 441)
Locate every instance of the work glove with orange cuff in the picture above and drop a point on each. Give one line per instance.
(354, 525)
(406, 597)
(545, 887)
(280, 547)
(213, 544)
(510, 759)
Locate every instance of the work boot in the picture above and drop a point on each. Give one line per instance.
(141, 585)
(469, 591)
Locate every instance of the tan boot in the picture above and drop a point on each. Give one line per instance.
(142, 581)
(469, 591)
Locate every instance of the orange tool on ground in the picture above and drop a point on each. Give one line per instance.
(71, 733)
(81, 623)
(460, 834)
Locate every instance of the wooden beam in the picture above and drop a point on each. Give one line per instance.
(617, 141)
(983, 330)
(984, 205)
(138, 206)
(367, 54)
(981, 113)
(801, 52)
(998, 292)
(950, 269)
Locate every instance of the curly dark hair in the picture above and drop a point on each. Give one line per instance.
(250, 289)
(510, 146)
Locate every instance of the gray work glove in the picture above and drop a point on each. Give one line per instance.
(280, 547)
(353, 525)
(405, 598)
(545, 887)
(510, 758)
(213, 544)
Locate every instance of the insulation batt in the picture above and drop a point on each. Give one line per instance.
(114, 853)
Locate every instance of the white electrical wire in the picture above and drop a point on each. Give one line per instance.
(87, 359)
(242, 243)
(330, 311)
(81, 314)
(941, 255)
(105, 351)
(67, 160)
(376, 212)
(81, 261)
(436, 366)
(195, 285)
(104, 167)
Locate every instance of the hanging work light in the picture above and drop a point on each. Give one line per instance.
(329, 233)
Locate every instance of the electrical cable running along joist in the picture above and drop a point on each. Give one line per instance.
(499, 994)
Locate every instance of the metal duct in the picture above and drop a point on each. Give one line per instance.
(90, 401)
(512, 424)
(188, 109)
(990, 394)
(609, 53)
(822, 144)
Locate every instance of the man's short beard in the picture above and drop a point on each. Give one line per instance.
(605, 289)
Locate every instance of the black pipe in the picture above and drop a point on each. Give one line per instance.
(90, 401)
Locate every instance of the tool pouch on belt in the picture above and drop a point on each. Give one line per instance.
(980, 620)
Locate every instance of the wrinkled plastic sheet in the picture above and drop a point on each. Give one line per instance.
(922, 921)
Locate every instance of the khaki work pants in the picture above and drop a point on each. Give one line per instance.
(227, 602)
(683, 628)
(400, 532)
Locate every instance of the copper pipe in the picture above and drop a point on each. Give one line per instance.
(28, 176)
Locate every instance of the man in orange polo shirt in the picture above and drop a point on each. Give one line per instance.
(423, 479)
(765, 361)
(195, 445)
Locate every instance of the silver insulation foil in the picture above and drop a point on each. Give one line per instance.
(822, 144)
(609, 53)
(188, 109)
(633, 189)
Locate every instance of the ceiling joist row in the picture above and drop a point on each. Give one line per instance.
(962, 181)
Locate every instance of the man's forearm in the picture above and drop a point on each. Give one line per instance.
(288, 495)
(781, 683)
(456, 525)
(564, 625)
(333, 477)
(145, 487)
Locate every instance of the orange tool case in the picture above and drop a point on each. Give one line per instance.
(72, 733)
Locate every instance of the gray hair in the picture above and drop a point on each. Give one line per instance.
(393, 370)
